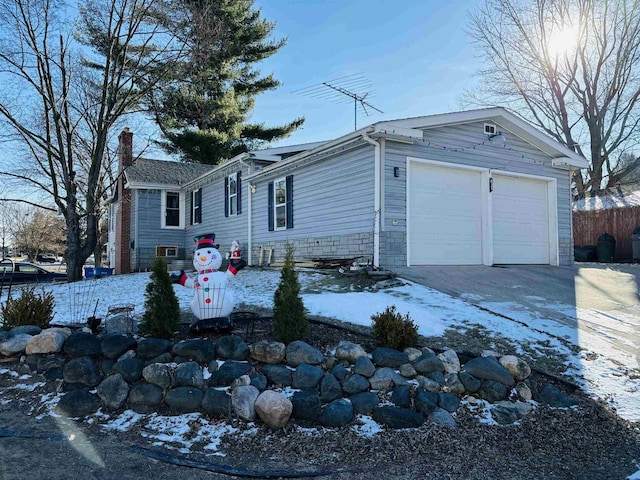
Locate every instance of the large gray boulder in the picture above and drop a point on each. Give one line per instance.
(114, 345)
(144, 397)
(14, 344)
(159, 374)
(306, 376)
(278, 375)
(184, 399)
(232, 347)
(189, 374)
(77, 403)
(229, 371)
(306, 405)
(487, 368)
(82, 344)
(200, 350)
(83, 371)
(364, 366)
(394, 417)
(113, 391)
(330, 388)
(130, 369)
(243, 401)
(216, 403)
(386, 378)
(350, 352)
(149, 348)
(505, 412)
(299, 352)
(355, 384)
(337, 413)
(268, 352)
(389, 357)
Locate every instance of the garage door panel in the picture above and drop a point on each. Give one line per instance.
(445, 215)
(520, 221)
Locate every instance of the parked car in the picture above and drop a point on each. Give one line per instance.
(25, 272)
(46, 259)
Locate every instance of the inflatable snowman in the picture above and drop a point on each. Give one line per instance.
(212, 299)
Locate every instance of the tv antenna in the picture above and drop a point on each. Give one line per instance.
(354, 88)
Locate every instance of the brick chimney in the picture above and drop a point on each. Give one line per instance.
(123, 217)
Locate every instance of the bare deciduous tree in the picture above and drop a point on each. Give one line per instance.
(571, 67)
(63, 95)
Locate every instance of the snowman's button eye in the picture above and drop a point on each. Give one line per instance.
(209, 252)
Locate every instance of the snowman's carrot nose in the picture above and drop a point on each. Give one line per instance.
(203, 258)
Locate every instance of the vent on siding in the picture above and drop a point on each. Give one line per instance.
(490, 129)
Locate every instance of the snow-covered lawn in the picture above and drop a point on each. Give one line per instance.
(598, 368)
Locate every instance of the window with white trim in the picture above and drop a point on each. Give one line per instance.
(172, 207)
(196, 207)
(167, 251)
(233, 194)
(280, 203)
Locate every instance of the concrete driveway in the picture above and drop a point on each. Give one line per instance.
(596, 299)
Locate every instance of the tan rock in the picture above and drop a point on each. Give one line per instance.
(268, 352)
(48, 341)
(273, 409)
(517, 367)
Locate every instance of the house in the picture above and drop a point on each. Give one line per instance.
(474, 187)
(616, 213)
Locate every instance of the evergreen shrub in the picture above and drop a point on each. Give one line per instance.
(391, 329)
(289, 316)
(162, 310)
(28, 309)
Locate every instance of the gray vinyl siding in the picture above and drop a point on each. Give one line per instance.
(515, 156)
(148, 231)
(332, 208)
(227, 229)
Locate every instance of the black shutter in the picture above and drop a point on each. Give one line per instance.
(226, 196)
(191, 211)
(239, 192)
(289, 201)
(198, 196)
(270, 205)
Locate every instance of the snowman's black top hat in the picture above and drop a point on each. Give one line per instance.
(206, 241)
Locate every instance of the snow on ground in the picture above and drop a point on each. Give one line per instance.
(597, 367)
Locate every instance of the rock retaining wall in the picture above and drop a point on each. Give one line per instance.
(273, 382)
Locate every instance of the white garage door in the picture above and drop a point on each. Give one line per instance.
(520, 221)
(445, 216)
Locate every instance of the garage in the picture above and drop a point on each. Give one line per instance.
(445, 215)
(459, 215)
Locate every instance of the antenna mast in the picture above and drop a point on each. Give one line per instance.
(355, 87)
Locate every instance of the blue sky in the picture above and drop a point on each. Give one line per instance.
(415, 53)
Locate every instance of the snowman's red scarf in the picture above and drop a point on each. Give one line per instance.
(209, 270)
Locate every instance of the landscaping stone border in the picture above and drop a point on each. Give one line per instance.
(273, 382)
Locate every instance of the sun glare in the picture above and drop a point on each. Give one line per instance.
(562, 41)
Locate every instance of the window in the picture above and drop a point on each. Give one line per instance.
(233, 194)
(166, 251)
(173, 209)
(196, 206)
(280, 204)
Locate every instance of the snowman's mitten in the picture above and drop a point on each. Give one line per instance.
(183, 278)
(236, 265)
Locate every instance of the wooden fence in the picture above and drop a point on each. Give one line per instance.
(617, 222)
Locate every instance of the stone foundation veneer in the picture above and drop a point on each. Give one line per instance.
(334, 246)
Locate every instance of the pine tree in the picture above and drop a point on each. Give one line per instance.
(289, 317)
(162, 310)
(203, 108)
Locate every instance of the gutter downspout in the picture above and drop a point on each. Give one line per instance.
(376, 199)
(249, 233)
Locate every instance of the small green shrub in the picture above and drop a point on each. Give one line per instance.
(391, 329)
(29, 309)
(289, 317)
(162, 310)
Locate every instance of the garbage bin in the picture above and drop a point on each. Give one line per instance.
(606, 248)
(635, 244)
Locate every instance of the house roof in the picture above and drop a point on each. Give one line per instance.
(610, 201)
(148, 173)
(411, 129)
